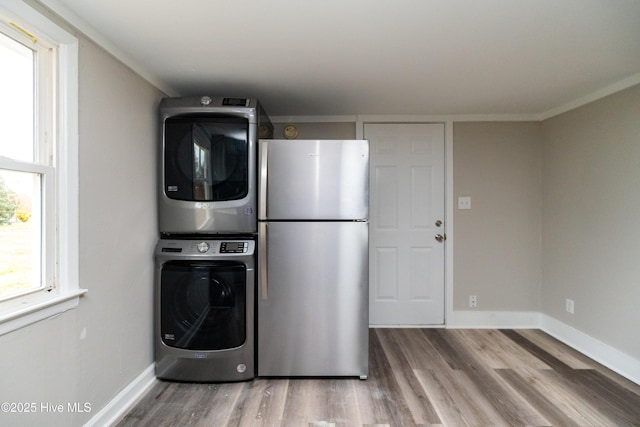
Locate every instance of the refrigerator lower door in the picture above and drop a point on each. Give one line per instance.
(313, 294)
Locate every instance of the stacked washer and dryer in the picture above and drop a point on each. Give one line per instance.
(205, 260)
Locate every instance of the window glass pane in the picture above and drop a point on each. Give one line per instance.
(20, 232)
(17, 100)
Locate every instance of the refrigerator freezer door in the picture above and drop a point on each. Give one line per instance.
(314, 179)
(313, 312)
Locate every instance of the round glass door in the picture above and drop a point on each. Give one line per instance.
(206, 158)
(203, 305)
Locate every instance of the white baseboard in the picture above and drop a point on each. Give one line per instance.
(406, 326)
(493, 320)
(617, 361)
(124, 400)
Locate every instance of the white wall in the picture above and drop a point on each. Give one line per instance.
(91, 353)
(591, 219)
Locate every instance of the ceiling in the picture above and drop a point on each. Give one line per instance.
(348, 57)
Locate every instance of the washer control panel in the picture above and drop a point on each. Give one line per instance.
(234, 247)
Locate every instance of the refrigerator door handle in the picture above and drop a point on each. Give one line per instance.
(262, 256)
(262, 179)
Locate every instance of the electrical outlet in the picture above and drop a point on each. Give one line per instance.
(473, 301)
(569, 306)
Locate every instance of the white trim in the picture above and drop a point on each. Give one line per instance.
(407, 326)
(448, 224)
(68, 168)
(493, 320)
(28, 167)
(124, 400)
(408, 118)
(441, 118)
(48, 308)
(599, 94)
(65, 295)
(619, 362)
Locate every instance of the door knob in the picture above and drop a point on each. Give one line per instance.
(441, 237)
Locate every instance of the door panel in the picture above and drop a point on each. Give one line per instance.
(421, 178)
(407, 198)
(384, 185)
(386, 264)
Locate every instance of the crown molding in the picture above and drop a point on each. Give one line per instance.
(601, 93)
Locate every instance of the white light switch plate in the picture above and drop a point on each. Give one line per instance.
(464, 202)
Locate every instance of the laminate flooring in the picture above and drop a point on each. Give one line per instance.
(419, 377)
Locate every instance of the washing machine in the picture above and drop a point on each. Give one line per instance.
(204, 310)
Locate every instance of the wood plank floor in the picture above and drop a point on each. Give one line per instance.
(420, 377)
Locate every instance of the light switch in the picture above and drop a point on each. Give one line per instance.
(464, 202)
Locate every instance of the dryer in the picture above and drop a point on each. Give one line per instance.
(204, 310)
(208, 164)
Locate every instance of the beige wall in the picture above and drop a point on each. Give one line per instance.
(91, 353)
(323, 130)
(555, 215)
(497, 242)
(591, 219)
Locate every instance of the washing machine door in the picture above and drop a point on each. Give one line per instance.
(203, 304)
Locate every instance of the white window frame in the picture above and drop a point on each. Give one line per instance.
(60, 186)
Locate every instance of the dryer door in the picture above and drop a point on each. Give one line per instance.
(206, 158)
(203, 304)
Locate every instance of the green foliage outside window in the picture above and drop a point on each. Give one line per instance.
(8, 203)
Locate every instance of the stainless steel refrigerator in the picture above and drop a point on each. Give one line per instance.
(313, 269)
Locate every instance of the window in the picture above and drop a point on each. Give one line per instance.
(26, 165)
(38, 167)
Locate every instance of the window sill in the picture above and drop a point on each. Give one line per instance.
(16, 319)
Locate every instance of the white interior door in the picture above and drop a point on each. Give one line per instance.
(406, 214)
